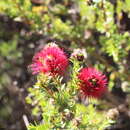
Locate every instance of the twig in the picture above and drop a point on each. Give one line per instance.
(25, 119)
(48, 91)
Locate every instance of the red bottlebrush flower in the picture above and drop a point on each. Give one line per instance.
(50, 59)
(92, 82)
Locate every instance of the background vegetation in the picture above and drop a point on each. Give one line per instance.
(99, 26)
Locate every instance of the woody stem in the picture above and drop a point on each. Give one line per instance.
(48, 91)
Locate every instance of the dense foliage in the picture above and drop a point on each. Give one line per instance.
(101, 27)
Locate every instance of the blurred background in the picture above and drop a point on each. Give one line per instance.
(102, 27)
